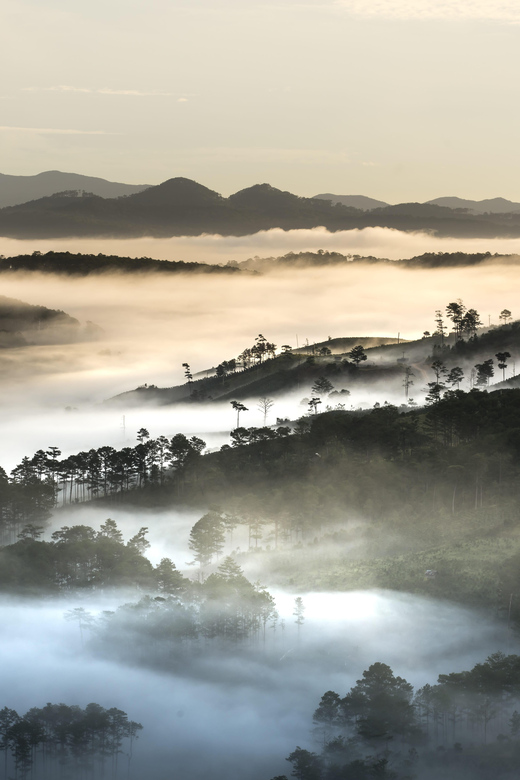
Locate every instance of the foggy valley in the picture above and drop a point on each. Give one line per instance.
(260, 446)
(229, 591)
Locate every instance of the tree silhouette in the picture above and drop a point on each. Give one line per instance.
(142, 435)
(357, 355)
(322, 386)
(485, 372)
(298, 613)
(83, 618)
(455, 376)
(502, 358)
(313, 404)
(455, 311)
(207, 538)
(441, 327)
(306, 765)
(238, 407)
(407, 380)
(380, 704)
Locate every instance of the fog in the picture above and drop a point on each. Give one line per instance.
(208, 248)
(231, 716)
(152, 325)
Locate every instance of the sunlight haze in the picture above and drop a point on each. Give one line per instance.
(391, 99)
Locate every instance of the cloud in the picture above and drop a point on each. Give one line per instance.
(102, 91)
(214, 248)
(53, 131)
(444, 10)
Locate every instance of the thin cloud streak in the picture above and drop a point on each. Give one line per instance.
(442, 10)
(53, 131)
(103, 91)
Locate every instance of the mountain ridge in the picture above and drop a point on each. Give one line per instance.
(181, 206)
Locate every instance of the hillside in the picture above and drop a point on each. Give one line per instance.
(289, 371)
(296, 370)
(373, 498)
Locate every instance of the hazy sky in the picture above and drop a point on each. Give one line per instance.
(396, 99)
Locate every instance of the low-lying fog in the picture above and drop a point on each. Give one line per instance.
(228, 718)
(152, 325)
(207, 248)
(225, 719)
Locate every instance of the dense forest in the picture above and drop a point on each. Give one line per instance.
(66, 741)
(432, 486)
(465, 726)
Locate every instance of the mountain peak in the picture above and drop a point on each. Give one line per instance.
(178, 192)
(261, 196)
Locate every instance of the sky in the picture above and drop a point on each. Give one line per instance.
(399, 100)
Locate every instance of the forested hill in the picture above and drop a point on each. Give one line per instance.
(335, 368)
(247, 377)
(72, 264)
(22, 323)
(78, 264)
(183, 207)
(346, 500)
(323, 258)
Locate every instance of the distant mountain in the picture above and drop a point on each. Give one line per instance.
(489, 206)
(356, 201)
(176, 207)
(20, 189)
(183, 207)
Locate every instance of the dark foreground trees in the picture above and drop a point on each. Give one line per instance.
(68, 742)
(41, 482)
(465, 726)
